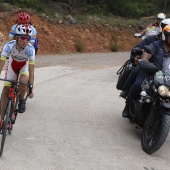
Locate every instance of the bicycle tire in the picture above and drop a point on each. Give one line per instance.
(14, 113)
(15, 109)
(4, 129)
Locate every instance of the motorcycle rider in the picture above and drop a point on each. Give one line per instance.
(153, 28)
(158, 50)
(133, 58)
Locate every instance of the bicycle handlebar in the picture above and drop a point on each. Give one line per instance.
(15, 83)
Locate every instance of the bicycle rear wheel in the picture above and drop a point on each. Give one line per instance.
(5, 126)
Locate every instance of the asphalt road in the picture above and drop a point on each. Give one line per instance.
(74, 121)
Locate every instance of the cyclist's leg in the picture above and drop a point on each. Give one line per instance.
(24, 77)
(10, 75)
(23, 88)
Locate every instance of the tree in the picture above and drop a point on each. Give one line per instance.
(165, 6)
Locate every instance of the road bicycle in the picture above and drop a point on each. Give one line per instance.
(11, 110)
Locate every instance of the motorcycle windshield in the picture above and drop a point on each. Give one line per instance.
(163, 76)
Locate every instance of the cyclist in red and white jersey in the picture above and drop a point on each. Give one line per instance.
(24, 18)
(21, 60)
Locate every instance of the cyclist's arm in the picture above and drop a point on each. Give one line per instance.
(31, 74)
(12, 33)
(34, 33)
(32, 41)
(5, 52)
(2, 62)
(145, 30)
(31, 63)
(10, 38)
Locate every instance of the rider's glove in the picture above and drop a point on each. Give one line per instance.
(137, 51)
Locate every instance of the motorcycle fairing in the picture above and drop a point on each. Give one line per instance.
(163, 77)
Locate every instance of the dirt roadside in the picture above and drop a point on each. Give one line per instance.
(61, 38)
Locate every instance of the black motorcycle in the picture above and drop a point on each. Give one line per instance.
(151, 112)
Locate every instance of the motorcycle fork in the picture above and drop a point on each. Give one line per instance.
(152, 114)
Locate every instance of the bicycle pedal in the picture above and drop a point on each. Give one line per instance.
(13, 116)
(9, 126)
(13, 119)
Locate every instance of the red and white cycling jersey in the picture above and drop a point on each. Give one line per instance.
(18, 60)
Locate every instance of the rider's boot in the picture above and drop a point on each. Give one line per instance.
(125, 112)
(21, 106)
(124, 93)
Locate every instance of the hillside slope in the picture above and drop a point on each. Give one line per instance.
(61, 38)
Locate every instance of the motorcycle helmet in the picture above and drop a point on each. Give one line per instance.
(24, 29)
(163, 23)
(161, 16)
(23, 18)
(166, 33)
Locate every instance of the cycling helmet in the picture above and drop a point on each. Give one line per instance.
(163, 23)
(165, 33)
(161, 16)
(24, 29)
(23, 18)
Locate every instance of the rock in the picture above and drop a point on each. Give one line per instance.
(60, 21)
(70, 19)
(58, 16)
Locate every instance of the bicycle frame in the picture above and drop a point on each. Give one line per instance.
(13, 96)
(11, 109)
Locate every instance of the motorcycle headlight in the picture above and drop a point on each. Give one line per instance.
(164, 91)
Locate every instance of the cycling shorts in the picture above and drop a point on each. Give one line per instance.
(14, 68)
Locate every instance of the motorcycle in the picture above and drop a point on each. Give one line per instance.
(150, 113)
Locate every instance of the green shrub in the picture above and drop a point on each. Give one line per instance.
(34, 4)
(3, 8)
(81, 19)
(98, 9)
(79, 45)
(114, 45)
(132, 8)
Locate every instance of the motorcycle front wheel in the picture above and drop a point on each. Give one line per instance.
(155, 132)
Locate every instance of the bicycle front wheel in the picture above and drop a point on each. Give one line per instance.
(5, 126)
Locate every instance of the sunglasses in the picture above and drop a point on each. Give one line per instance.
(24, 38)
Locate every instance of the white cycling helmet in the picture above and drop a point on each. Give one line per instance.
(24, 29)
(163, 23)
(161, 16)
